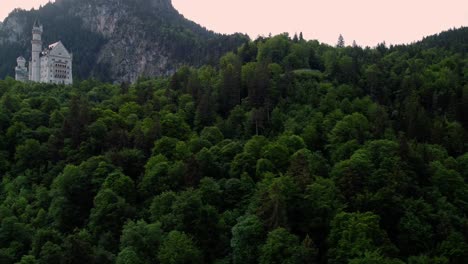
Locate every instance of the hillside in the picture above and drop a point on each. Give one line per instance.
(453, 39)
(116, 40)
(288, 151)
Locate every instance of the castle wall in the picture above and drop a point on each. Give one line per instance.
(21, 74)
(57, 70)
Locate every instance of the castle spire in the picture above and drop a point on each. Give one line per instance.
(36, 23)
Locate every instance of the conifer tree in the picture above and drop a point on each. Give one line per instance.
(341, 42)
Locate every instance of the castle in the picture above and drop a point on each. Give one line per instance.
(51, 65)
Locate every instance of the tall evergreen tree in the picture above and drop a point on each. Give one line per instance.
(341, 42)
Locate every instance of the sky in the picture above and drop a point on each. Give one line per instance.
(369, 22)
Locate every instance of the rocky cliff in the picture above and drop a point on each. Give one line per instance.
(116, 40)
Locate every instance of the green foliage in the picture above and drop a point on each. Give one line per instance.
(247, 234)
(178, 248)
(140, 241)
(276, 197)
(283, 247)
(323, 202)
(72, 198)
(128, 256)
(374, 257)
(353, 234)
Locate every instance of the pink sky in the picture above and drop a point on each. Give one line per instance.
(366, 21)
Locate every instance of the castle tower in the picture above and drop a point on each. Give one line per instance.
(36, 50)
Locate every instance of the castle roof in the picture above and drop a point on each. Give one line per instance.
(53, 45)
(57, 49)
(36, 23)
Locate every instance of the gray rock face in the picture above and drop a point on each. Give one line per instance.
(141, 37)
(13, 28)
(127, 51)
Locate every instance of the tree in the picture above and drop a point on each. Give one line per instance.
(77, 120)
(278, 154)
(284, 247)
(131, 161)
(256, 79)
(415, 118)
(354, 126)
(121, 185)
(354, 234)
(29, 155)
(341, 42)
(449, 182)
(212, 134)
(78, 248)
(211, 192)
(423, 259)
(298, 58)
(128, 256)
(178, 248)
(274, 49)
(230, 92)
(28, 259)
(14, 239)
(50, 253)
(141, 240)
(375, 85)
(305, 166)
(205, 113)
(161, 175)
(72, 194)
(276, 198)
(351, 175)
(323, 202)
(174, 126)
(374, 257)
(246, 234)
(109, 214)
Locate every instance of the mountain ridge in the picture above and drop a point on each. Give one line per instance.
(116, 40)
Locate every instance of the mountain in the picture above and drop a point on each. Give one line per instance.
(116, 40)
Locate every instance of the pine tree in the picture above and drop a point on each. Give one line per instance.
(295, 38)
(341, 42)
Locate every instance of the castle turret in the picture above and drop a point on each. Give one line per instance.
(21, 62)
(36, 50)
(21, 72)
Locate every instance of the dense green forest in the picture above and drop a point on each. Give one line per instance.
(287, 151)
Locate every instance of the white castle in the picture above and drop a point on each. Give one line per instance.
(51, 65)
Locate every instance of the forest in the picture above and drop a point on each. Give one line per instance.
(285, 151)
